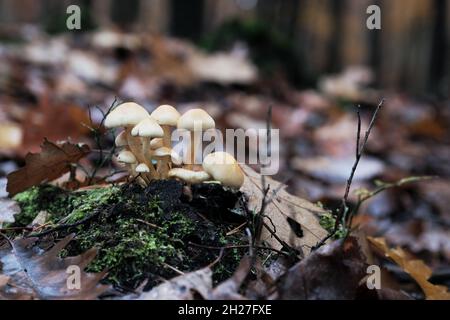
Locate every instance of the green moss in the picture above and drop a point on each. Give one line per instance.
(85, 202)
(138, 234)
(60, 203)
(52, 199)
(328, 221)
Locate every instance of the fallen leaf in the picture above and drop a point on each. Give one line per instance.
(45, 122)
(296, 220)
(332, 272)
(53, 161)
(182, 287)
(229, 289)
(46, 274)
(9, 291)
(417, 269)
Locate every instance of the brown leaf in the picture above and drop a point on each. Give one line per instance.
(185, 286)
(52, 162)
(417, 269)
(302, 232)
(45, 122)
(182, 287)
(46, 274)
(228, 290)
(332, 272)
(9, 291)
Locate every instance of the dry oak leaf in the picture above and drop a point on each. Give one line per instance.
(182, 287)
(417, 269)
(332, 272)
(47, 275)
(53, 161)
(296, 220)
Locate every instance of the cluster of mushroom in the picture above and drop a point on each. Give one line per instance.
(146, 147)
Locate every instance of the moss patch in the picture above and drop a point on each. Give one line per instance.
(145, 234)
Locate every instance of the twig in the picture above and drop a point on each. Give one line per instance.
(264, 189)
(173, 268)
(149, 224)
(359, 152)
(237, 247)
(234, 230)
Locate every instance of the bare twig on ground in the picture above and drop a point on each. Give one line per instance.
(344, 216)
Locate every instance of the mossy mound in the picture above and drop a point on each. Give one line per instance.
(145, 234)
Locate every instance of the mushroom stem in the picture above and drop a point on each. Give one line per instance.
(191, 154)
(163, 164)
(148, 156)
(135, 145)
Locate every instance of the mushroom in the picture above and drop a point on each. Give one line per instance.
(163, 155)
(166, 116)
(128, 115)
(128, 158)
(143, 168)
(121, 140)
(189, 176)
(194, 120)
(148, 128)
(224, 168)
(156, 143)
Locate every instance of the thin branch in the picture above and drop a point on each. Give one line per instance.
(360, 150)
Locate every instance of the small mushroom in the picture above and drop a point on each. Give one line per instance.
(166, 116)
(194, 120)
(128, 115)
(224, 168)
(128, 158)
(189, 176)
(142, 168)
(146, 129)
(121, 140)
(156, 143)
(163, 155)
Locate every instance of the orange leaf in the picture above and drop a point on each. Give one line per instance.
(417, 269)
(53, 161)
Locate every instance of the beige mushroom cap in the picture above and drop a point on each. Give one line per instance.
(189, 176)
(167, 152)
(126, 156)
(196, 119)
(162, 152)
(142, 167)
(121, 140)
(223, 167)
(166, 115)
(125, 115)
(156, 143)
(148, 127)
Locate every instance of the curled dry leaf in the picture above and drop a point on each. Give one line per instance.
(296, 220)
(333, 272)
(53, 161)
(417, 269)
(182, 287)
(186, 286)
(229, 289)
(46, 275)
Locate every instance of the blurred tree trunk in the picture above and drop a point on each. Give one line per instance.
(407, 41)
(154, 16)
